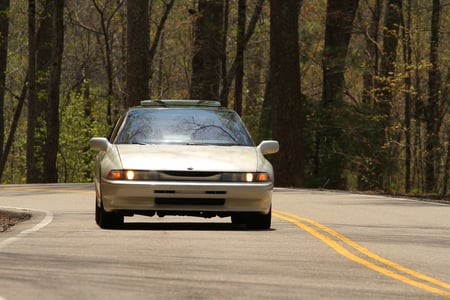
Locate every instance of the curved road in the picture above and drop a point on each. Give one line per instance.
(323, 245)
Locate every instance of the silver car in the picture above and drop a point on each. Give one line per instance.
(186, 158)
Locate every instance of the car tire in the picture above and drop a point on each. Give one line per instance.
(238, 219)
(107, 220)
(259, 221)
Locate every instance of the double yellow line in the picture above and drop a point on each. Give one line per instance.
(383, 266)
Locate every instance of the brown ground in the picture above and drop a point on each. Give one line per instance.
(9, 219)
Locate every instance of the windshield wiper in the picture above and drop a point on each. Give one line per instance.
(197, 144)
(211, 144)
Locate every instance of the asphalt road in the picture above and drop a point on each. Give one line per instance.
(323, 245)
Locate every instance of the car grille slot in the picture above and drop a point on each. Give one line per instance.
(190, 192)
(190, 175)
(189, 201)
(165, 192)
(215, 192)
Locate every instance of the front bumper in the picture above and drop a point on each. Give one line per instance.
(186, 196)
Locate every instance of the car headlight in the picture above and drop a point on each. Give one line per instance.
(132, 175)
(246, 177)
(143, 175)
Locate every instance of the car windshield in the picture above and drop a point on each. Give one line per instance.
(187, 126)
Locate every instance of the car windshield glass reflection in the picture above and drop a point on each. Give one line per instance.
(184, 126)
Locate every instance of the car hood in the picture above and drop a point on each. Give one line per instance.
(189, 157)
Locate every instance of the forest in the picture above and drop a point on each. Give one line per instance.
(355, 91)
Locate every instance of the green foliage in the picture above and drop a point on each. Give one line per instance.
(75, 159)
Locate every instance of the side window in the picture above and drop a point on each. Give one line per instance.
(113, 134)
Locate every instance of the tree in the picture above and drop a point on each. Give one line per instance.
(105, 22)
(4, 30)
(391, 109)
(372, 43)
(286, 99)
(158, 37)
(388, 136)
(338, 30)
(52, 140)
(435, 109)
(31, 116)
(407, 57)
(240, 47)
(14, 125)
(38, 91)
(137, 52)
(207, 52)
(231, 73)
(372, 37)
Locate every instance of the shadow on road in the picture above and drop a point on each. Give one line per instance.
(186, 226)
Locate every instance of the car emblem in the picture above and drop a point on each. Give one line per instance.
(190, 168)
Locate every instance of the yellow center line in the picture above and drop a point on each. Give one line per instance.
(300, 222)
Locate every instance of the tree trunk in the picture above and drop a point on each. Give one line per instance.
(4, 30)
(52, 142)
(228, 77)
(447, 160)
(287, 103)
(159, 36)
(224, 73)
(407, 53)
(208, 52)
(338, 30)
(265, 120)
(372, 41)
(253, 105)
(14, 125)
(383, 145)
(137, 52)
(432, 142)
(240, 47)
(391, 35)
(39, 66)
(105, 22)
(446, 167)
(43, 61)
(31, 117)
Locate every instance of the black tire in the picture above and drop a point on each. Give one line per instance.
(238, 219)
(107, 220)
(260, 221)
(253, 220)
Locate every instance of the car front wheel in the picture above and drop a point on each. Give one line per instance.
(254, 220)
(107, 220)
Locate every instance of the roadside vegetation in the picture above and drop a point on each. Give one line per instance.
(355, 91)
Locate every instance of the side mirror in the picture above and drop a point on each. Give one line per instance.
(269, 147)
(99, 143)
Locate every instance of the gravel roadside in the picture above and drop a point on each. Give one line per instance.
(10, 218)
